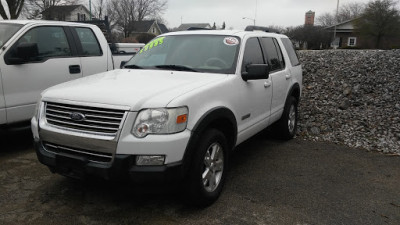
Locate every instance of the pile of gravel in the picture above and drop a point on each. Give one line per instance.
(351, 97)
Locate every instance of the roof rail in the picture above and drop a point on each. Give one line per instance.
(265, 29)
(198, 28)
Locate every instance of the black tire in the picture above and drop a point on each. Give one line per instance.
(286, 126)
(202, 192)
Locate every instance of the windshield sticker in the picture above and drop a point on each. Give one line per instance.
(152, 44)
(231, 41)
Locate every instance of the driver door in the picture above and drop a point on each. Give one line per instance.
(23, 82)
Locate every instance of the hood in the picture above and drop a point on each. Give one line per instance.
(134, 88)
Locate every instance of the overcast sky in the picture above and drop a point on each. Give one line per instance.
(269, 12)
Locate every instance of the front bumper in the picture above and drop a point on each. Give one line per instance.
(122, 167)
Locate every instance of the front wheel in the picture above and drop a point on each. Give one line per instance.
(286, 126)
(209, 168)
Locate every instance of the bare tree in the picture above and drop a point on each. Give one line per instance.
(326, 19)
(381, 19)
(14, 9)
(346, 12)
(123, 13)
(34, 8)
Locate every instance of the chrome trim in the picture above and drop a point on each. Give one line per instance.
(110, 125)
(108, 157)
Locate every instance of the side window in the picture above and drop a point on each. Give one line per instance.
(274, 55)
(90, 45)
(294, 60)
(51, 42)
(252, 53)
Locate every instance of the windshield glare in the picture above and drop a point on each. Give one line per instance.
(202, 53)
(7, 30)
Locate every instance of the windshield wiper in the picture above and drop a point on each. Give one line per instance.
(176, 67)
(133, 66)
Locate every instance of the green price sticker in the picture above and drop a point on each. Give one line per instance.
(152, 44)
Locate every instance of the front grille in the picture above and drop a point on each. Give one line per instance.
(92, 156)
(90, 119)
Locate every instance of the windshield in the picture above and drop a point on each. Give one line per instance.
(196, 53)
(7, 30)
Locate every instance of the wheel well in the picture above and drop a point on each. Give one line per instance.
(295, 92)
(227, 128)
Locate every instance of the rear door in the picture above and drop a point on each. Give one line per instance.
(93, 58)
(279, 73)
(56, 62)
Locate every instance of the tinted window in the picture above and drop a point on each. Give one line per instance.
(252, 53)
(90, 45)
(274, 55)
(51, 42)
(294, 60)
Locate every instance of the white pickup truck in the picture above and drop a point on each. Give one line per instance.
(175, 111)
(35, 55)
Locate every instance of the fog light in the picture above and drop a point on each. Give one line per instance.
(150, 160)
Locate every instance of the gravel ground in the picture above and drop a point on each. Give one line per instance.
(352, 97)
(269, 182)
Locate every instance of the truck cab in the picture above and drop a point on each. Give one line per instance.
(35, 55)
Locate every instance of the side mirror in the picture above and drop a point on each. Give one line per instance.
(24, 52)
(122, 64)
(256, 72)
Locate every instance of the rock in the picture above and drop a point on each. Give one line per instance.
(344, 105)
(351, 98)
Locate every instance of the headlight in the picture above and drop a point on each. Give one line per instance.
(160, 121)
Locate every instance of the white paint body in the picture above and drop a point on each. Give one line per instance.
(200, 92)
(21, 85)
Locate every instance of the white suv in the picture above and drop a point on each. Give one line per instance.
(175, 111)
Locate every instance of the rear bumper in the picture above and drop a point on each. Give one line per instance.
(122, 167)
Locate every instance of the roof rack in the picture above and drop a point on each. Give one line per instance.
(265, 29)
(198, 28)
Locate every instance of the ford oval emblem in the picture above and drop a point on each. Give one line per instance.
(77, 116)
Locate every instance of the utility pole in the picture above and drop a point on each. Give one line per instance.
(255, 14)
(90, 9)
(334, 32)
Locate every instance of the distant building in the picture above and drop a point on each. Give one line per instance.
(347, 36)
(186, 26)
(66, 13)
(309, 19)
(148, 27)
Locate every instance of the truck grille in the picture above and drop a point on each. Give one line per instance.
(84, 118)
(89, 155)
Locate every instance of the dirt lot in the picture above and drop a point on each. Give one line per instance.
(270, 182)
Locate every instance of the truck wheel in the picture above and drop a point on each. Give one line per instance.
(287, 125)
(209, 168)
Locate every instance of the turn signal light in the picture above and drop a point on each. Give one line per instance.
(181, 119)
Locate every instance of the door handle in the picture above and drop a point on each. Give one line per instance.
(73, 69)
(267, 83)
(288, 76)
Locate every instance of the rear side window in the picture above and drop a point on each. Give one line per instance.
(294, 60)
(90, 45)
(252, 53)
(274, 54)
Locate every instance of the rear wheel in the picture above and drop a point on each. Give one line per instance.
(209, 168)
(287, 125)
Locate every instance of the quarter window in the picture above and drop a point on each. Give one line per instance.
(294, 60)
(90, 45)
(252, 53)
